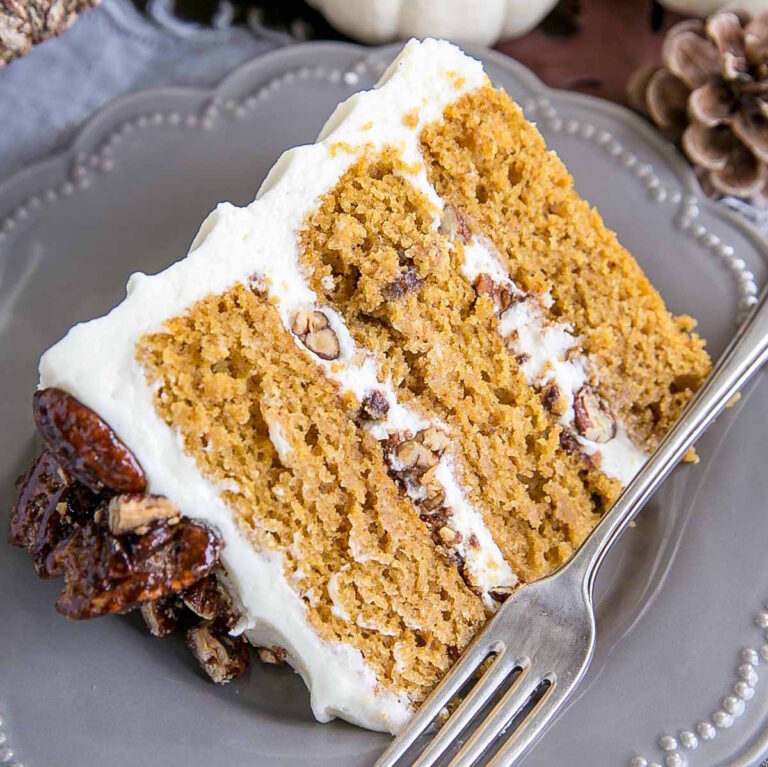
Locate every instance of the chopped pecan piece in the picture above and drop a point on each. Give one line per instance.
(433, 502)
(274, 656)
(84, 444)
(408, 282)
(434, 439)
(593, 421)
(306, 321)
(221, 656)
(501, 593)
(133, 513)
(162, 616)
(48, 508)
(568, 442)
(485, 285)
(207, 600)
(554, 399)
(415, 456)
(453, 225)
(109, 574)
(315, 332)
(375, 406)
(448, 536)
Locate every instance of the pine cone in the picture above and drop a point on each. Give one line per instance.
(24, 23)
(711, 97)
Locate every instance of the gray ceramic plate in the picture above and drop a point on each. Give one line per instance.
(681, 600)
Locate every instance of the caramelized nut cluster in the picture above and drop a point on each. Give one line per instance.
(81, 511)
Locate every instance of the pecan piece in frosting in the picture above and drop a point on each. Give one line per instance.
(375, 406)
(49, 506)
(454, 226)
(314, 331)
(84, 444)
(554, 399)
(593, 421)
(114, 574)
(133, 513)
(501, 296)
(221, 656)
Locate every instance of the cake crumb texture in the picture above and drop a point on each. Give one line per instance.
(491, 163)
(228, 376)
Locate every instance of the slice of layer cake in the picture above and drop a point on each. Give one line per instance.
(409, 377)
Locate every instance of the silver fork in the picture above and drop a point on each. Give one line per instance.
(545, 633)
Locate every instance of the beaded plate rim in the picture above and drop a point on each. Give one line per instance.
(88, 155)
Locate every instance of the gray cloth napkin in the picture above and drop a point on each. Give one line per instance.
(109, 51)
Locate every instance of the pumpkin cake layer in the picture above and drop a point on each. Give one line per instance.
(409, 377)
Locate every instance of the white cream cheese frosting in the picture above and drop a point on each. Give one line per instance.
(96, 363)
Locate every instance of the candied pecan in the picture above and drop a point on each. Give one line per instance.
(408, 282)
(206, 599)
(84, 444)
(593, 421)
(221, 656)
(274, 656)
(110, 574)
(162, 615)
(375, 406)
(132, 512)
(48, 508)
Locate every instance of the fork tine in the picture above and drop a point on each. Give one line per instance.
(519, 740)
(500, 669)
(469, 662)
(504, 711)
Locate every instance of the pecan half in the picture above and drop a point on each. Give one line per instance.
(110, 574)
(132, 512)
(314, 331)
(84, 444)
(49, 506)
(221, 656)
(162, 616)
(593, 421)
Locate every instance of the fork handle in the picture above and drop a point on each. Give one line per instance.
(744, 356)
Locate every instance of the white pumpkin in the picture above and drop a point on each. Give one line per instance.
(467, 21)
(705, 7)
